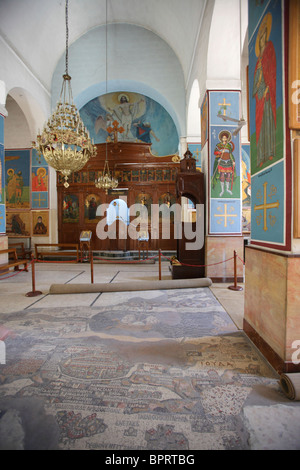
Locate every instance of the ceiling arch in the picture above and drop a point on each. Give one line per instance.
(42, 23)
(135, 59)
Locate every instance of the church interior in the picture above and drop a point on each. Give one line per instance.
(149, 225)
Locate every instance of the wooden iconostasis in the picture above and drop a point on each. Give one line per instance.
(143, 179)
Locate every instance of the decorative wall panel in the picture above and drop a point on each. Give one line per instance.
(269, 138)
(225, 216)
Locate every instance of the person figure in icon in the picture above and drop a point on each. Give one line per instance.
(264, 92)
(38, 180)
(224, 166)
(19, 187)
(0, 181)
(144, 132)
(125, 112)
(92, 208)
(40, 228)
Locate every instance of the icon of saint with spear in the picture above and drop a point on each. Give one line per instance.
(224, 165)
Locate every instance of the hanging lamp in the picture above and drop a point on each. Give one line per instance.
(65, 142)
(106, 181)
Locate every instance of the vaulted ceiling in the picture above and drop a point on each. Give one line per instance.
(159, 48)
(35, 29)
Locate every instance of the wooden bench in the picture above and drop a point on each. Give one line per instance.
(22, 252)
(41, 254)
(12, 262)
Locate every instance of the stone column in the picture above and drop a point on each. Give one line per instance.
(221, 162)
(3, 114)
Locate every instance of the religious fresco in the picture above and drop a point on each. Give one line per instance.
(17, 179)
(70, 209)
(224, 163)
(268, 156)
(224, 104)
(39, 187)
(266, 90)
(2, 191)
(40, 223)
(246, 219)
(39, 179)
(225, 216)
(145, 199)
(131, 117)
(26, 180)
(2, 173)
(255, 14)
(91, 203)
(18, 224)
(267, 205)
(195, 149)
(246, 188)
(246, 175)
(204, 120)
(37, 159)
(2, 219)
(165, 202)
(39, 200)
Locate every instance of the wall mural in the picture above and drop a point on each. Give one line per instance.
(2, 185)
(246, 188)
(195, 149)
(265, 90)
(204, 120)
(267, 127)
(71, 209)
(225, 167)
(17, 184)
(40, 223)
(131, 117)
(18, 224)
(25, 175)
(39, 181)
(91, 203)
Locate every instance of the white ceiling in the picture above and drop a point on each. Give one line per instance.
(35, 29)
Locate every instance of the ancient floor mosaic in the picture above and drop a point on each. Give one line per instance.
(159, 370)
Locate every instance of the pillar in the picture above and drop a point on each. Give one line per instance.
(272, 260)
(3, 114)
(221, 163)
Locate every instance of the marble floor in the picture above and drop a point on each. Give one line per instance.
(274, 419)
(14, 287)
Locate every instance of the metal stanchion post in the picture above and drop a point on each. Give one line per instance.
(92, 267)
(34, 292)
(235, 286)
(159, 259)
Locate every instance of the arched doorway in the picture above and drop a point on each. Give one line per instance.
(117, 221)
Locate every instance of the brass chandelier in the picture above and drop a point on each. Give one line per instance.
(106, 181)
(65, 142)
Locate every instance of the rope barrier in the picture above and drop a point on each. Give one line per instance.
(241, 260)
(14, 274)
(92, 258)
(127, 262)
(202, 265)
(34, 292)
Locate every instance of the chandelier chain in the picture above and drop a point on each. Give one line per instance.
(65, 142)
(67, 37)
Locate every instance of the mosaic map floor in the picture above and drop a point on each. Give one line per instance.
(159, 370)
